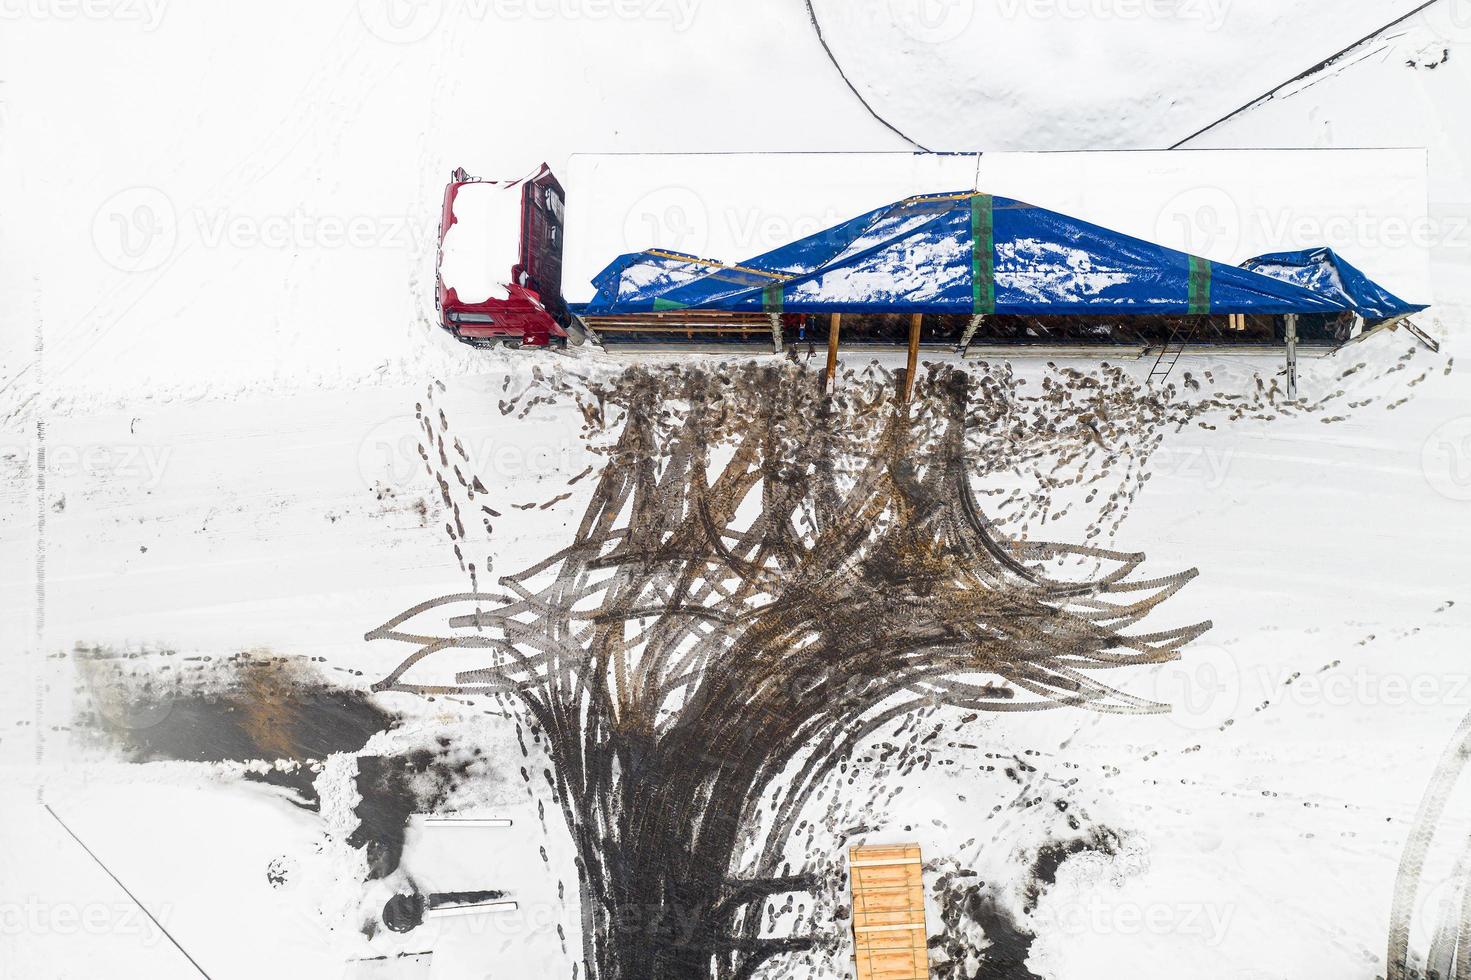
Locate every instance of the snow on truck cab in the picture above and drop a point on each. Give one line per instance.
(500, 260)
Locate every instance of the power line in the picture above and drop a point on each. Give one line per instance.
(1325, 63)
(812, 15)
(124, 887)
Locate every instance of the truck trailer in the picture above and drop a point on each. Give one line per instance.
(952, 268)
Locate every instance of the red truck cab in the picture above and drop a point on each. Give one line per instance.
(499, 263)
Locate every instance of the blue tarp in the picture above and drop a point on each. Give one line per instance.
(1326, 273)
(967, 252)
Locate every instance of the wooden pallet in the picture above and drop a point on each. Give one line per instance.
(690, 323)
(889, 935)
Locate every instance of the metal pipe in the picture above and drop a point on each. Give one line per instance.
(466, 822)
(1292, 355)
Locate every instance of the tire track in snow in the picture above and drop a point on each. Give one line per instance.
(40, 568)
(1417, 847)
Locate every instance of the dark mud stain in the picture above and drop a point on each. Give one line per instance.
(451, 899)
(966, 902)
(275, 719)
(279, 871)
(393, 788)
(403, 913)
(248, 707)
(1051, 856)
(298, 779)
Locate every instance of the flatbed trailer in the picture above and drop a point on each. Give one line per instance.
(627, 200)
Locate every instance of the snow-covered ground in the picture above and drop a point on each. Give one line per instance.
(273, 191)
(257, 523)
(218, 230)
(1073, 74)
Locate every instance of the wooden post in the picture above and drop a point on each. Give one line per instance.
(914, 320)
(1292, 355)
(834, 325)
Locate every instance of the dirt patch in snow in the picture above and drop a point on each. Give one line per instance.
(246, 708)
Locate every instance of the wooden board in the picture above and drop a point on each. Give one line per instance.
(889, 935)
(691, 323)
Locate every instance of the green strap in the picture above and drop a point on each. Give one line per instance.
(1200, 285)
(771, 298)
(982, 254)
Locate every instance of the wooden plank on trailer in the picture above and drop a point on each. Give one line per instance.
(889, 933)
(764, 330)
(692, 325)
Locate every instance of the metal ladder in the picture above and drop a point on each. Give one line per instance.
(1170, 353)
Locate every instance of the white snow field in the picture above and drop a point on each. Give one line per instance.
(216, 285)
